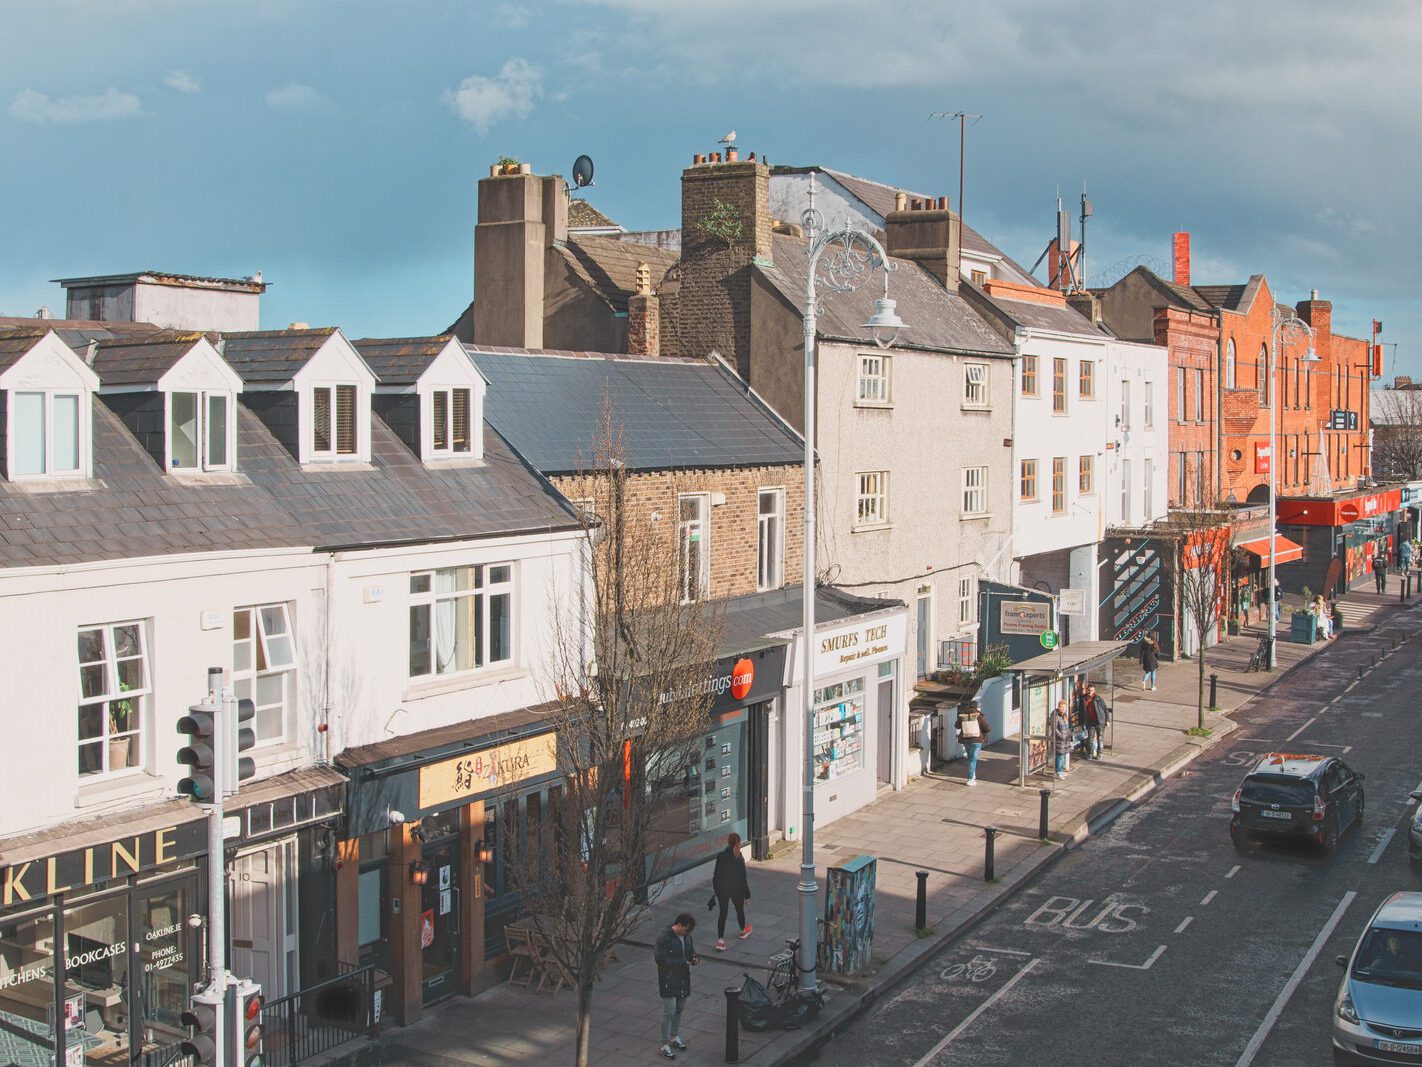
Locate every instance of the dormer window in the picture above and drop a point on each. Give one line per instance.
(335, 423)
(449, 422)
(200, 431)
(45, 432)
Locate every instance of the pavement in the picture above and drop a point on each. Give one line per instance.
(936, 824)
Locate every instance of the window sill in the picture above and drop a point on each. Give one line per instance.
(441, 463)
(137, 784)
(317, 466)
(977, 516)
(198, 478)
(43, 483)
(872, 527)
(456, 683)
(282, 756)
(985, 408)
(875, 405)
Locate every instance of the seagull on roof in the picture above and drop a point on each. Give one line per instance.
(730, 138)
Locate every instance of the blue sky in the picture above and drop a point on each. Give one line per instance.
(335, 146)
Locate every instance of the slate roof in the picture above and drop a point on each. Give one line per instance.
(610, 265)
(272, 355)
(140, 359)
(76, 333)
(400, 360)
(13, 347)
(751, 619)
(1231, 297)
(937, 319)
(676, 414)
(582, 214)
(1048, 317)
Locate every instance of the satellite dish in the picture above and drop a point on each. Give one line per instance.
(583, 171)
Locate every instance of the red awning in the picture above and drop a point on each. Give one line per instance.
(1285, 551)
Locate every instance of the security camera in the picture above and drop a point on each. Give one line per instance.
(196, 921)
(396, 817)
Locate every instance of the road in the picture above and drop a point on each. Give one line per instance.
(1156, 941)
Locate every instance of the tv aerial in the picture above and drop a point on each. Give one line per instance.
(583, 172)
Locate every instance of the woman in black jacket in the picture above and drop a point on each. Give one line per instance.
(730, 886)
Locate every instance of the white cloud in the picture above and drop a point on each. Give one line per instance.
(512, 16)
(182, 81)
(482, 101)
(295, 96)
(32, 106)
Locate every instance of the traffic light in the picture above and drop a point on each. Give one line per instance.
(203, 1011)
(242, 738)
(200, 724)
(247, 1028)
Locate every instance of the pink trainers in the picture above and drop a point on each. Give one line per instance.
(720, 944)
(746, 932)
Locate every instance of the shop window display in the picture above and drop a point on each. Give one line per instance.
(839, 729)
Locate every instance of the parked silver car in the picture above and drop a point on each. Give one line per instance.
(1414, 832)
(1377, 1017)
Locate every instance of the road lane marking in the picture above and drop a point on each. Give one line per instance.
(954, 1033)
(1301, 729)
(1233, 871)
(1209, 897)
(1372, 715)
(1132, 966)
(1386, 839)
(1277, 1008)
(1005, 951)
(1188, 920)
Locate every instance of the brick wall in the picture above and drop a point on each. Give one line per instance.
(1190, 339)
(734, 525)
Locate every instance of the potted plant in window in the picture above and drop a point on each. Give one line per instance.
(120, 722)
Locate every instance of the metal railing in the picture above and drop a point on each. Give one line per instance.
(164, 1055)
(960, 653)
(318, 1019)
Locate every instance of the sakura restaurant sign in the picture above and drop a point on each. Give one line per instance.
(466, 776)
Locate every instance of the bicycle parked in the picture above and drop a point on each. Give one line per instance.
(779, 1003)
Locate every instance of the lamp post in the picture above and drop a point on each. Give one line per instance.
(1284, 321)
(853, 256)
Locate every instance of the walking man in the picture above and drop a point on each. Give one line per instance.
(730, 886)
(972, 735)
(675, 954)
(1095, 716)
(1150, 660)
(1060, 731)
(1380, 572)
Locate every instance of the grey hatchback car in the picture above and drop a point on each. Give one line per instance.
(1377, 1015)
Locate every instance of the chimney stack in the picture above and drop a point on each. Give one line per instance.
(931, 236)
(1319, 315)
(521, 216)
(1182, 257)
(644, 327)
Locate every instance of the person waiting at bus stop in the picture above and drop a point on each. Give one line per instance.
(1094, 717)
(1059, 730)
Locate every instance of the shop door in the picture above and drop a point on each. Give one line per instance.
(886, 742)
(439, 920)
(263, 925)
(166, 962)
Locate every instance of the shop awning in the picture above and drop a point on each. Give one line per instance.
(1079, 657)
(1285, 551)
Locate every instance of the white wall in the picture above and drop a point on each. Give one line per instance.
(1142, 449)
(182, 308)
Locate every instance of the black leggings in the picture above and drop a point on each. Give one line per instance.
(726, 902)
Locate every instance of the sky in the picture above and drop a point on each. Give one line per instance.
(335, 145)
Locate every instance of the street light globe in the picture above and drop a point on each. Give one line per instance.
(885, 323)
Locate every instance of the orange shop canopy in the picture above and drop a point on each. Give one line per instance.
(1285, 551)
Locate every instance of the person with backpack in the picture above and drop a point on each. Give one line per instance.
(729, 886)
(1095, 715)
(972, 735)
(675, 954)
(1150, 660)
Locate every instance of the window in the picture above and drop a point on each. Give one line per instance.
(873, 507)
(694, 541)
(114, 686)
(1086, 475)
(965, 600)
(264, 666)
(1182, 484)
(1058, 485)
(1126, 491)
(1059, 386)
(1263, 375)
(1148, 492)
(975, 385)
(1199, 395)
(770, 573)
(199, 427)
(450, 431)
(461, 619)
(1028, 490)
(979, 277)
(1149, 399)
(975, 490)
(1180, 398)
(44, 430)
(1029, 375)
(1124, 419)
(335, 430)
(874, 379)
(1231, 366)
(1087, 387)
(839, 729)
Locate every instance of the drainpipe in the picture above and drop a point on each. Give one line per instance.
(327, 705)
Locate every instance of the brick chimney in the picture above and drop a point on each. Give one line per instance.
(928, 233)
(1182, 257)
(1088, 305)
(1318, 314)
(521, 216)
(725, 227)
(644, 327)
(1057, 263)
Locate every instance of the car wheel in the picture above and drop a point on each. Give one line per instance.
(1362, 806)
(1330, 836)
(1239, 838)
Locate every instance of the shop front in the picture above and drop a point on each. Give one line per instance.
(1340, 536)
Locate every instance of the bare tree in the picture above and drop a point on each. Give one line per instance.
(629, 680)
(1397, 434)
(1202, 531)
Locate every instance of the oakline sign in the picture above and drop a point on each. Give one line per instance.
(131, 854)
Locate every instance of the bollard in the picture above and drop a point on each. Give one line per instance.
(1043, 830)
(1214, 690)
(920, 909)
(733, 1024)
(1360, 672)
(1375, 659)
(988, 853)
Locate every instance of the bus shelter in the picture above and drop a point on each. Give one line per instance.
(1061, 675)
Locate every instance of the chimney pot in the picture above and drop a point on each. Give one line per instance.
(1313, 294)
(900, 201)
(1182, 258)
(942, 203)
(698, 159)
(732, 154)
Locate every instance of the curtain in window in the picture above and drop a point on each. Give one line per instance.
(441, 421)
(346, 420)
(321, 420)
(461, 421)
